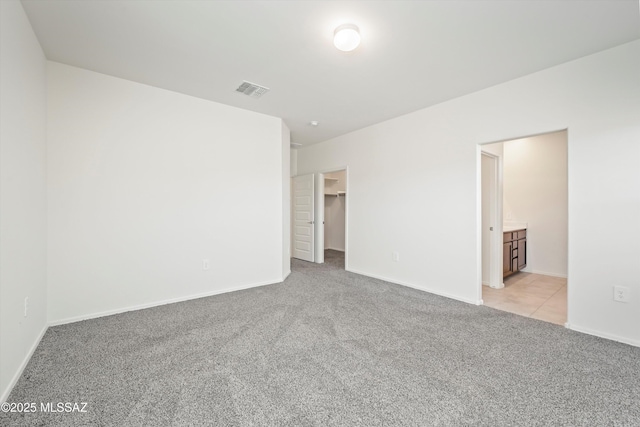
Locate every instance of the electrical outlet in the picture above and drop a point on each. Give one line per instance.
(206, 264)
(26, 306)
(395, 256)
(621, 293)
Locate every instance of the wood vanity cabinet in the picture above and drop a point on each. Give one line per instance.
(507, 257)
(514, 251)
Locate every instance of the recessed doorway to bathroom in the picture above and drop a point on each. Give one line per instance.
(524, 187)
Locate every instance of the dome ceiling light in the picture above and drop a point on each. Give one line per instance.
(346, 37)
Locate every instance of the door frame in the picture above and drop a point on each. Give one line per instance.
(500, 183)
(319, 214)
(495, 243)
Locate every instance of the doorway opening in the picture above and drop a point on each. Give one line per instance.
(335, 215)
(524, 221)
(320, 217)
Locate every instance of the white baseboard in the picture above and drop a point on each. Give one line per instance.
(604, 335)
(420, 288)
(544, 273)
(335, 249)
(25, 361)
(159, 303)
(286, 274)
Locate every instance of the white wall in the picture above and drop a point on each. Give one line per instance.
(143, 184)
(535, 192)
(334, 211)
(294, 163)
(22, 193)
(286, 200)
(425, 168)
(293, 170)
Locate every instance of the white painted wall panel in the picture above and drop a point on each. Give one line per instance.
(143, 184)
(22, 192)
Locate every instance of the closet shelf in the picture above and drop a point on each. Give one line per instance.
(339, 193)
(332, 179)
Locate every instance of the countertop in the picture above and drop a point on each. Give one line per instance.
(513, 227)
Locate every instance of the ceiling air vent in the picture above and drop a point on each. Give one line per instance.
(252, 89)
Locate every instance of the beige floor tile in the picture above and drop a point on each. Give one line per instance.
(493, 295)
(515, 279)
(548, 314)
(523, 277)
(559, 298)
(488, 293)
(554, 287)
(494, 298)
(525, 297)
(522, 303)
(551, 279)
(516, 308)
(534, 290)
(496, 306)
(532, 295)
(492, 303)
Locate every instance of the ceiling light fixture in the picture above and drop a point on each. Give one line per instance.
(314, 123)
(346, 37)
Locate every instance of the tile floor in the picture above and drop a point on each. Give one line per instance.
(531, 295)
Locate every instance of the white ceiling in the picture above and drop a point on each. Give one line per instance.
(413, 53)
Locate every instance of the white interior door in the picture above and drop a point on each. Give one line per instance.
(303, 214)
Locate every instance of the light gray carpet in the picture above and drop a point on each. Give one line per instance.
(327, 347)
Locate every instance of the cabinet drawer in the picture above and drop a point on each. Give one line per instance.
(521, 234)
(507, 237)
